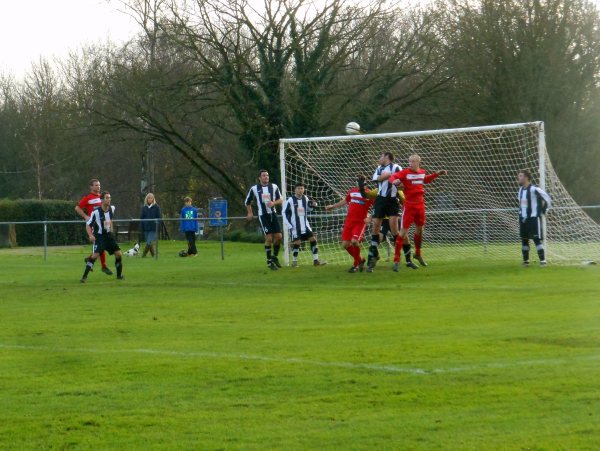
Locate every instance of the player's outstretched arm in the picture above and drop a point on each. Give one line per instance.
(339, 204)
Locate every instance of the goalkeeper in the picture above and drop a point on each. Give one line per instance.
(358, 202)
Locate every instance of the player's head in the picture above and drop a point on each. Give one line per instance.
(94, 186)
(414, 162)
(150, 199)
(105, 198)
(299, 189)
(524, 177)
(386, 158)
(263, 176)
(187, 200)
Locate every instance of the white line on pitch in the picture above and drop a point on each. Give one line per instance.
(384, 368)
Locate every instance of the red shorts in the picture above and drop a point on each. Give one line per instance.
(413, 214)
(353, 231)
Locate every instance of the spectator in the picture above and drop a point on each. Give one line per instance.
(189, 226)
(150, 210)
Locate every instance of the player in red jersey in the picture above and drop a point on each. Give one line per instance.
(413, 178)
(355, 224)
(85, 207)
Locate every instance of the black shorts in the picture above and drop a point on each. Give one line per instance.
(531, 228)
(105, 243)
(386, 206)
(269, 223)
(303, 236)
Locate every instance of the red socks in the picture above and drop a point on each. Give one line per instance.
(354, 251)
(397, 248)
(417, 244)
(103, 259)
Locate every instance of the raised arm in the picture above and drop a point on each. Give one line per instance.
(339, 204)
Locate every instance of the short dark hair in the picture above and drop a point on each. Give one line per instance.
(390, 155)
(299, 184)
(260, 171)
(92, 181)
(103, 194)
(526, 173)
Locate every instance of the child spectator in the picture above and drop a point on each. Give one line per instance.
(189, 226)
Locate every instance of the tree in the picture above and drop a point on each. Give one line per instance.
(292, 69)
(526, 60)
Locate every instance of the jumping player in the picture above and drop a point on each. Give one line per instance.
(268, 197)
(85, 207)
(386, 204)
(355, 224)
(99, 228)
(413, 178)
(533, 204)
(295, 218)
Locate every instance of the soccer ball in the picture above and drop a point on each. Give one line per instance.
(352, 128)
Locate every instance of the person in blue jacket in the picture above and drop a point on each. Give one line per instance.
(189, 226)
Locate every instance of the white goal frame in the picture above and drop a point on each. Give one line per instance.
(544, 169)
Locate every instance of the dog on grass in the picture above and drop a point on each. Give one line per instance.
(134, 251)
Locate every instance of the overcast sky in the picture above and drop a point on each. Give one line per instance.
(50, 28)
(33, 28)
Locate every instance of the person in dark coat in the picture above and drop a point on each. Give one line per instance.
(150, 210)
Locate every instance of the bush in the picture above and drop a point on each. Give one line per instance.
(43, 210)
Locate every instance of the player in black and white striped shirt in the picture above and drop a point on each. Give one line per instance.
(386, 205)
(295, 218)
(99, 227)
(267, 197)
(533, 204)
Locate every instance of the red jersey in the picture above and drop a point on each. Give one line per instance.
(89, 202)
(413, 182)
(358, 206)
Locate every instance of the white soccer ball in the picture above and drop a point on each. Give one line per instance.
(352, 128)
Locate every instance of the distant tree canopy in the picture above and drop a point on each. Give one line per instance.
(199, 99)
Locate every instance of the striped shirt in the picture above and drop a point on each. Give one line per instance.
(294, 215)
(533, 202)
(101, 221)
(263, 195)
(386, 189)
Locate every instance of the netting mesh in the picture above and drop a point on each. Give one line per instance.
(471, 211)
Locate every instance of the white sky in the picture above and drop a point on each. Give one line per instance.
(50, 28)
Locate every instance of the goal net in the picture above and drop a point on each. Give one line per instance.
(472, 211)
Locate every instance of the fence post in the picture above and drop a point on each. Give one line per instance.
(156, 224)
(45, 240)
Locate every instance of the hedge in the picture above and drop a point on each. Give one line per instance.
(43, 210)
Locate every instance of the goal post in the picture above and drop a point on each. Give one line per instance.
(471, 211)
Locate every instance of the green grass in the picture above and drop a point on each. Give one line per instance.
(199, 353)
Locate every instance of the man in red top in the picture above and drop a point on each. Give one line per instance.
(413, 211)
(85, 207)
(354, 226)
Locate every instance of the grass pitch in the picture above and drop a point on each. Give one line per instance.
(199, 353)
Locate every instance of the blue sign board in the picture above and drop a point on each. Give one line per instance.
(217, 212)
